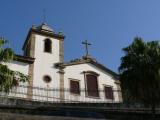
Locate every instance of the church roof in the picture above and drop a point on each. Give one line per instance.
(92, 61)
(24, 59)
(44, 27)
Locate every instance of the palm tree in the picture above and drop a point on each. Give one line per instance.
(140, 72)
(8, 78)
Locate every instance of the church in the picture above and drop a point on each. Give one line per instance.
(53, 79)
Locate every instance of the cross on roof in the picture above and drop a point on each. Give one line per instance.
(86, 43)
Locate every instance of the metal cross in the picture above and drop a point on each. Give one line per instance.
(86, 43)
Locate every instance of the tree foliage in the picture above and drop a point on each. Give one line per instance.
(8, 78)
(140, 72)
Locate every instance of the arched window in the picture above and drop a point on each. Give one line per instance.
(48, 46)
(47, 79)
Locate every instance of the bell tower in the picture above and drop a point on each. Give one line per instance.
(44, 31)
(46, 46)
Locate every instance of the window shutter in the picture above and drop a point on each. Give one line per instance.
(92, 85)
(74, 87)
(108, 92)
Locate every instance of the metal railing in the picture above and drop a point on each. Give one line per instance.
(58, 95)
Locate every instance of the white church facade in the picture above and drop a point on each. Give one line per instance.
(53, 79)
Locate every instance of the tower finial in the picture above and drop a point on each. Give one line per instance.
(44, 15)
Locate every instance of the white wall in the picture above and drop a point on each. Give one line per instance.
(75, 72)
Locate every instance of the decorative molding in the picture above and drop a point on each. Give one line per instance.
(91, 72)
(74, 79)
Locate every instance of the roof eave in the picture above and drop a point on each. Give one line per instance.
(24, 59)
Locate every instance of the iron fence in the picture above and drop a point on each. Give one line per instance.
(58, 95)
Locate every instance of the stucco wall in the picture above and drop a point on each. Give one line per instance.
(76, 72)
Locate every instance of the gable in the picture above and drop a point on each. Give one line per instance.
(84, 67)
(97, 66)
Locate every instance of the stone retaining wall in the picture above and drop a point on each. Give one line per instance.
(15, 116)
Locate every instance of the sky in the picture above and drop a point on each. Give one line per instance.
(109, 25)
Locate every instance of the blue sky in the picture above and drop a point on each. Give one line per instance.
(109, 25)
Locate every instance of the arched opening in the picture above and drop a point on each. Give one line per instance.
(48, 46)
